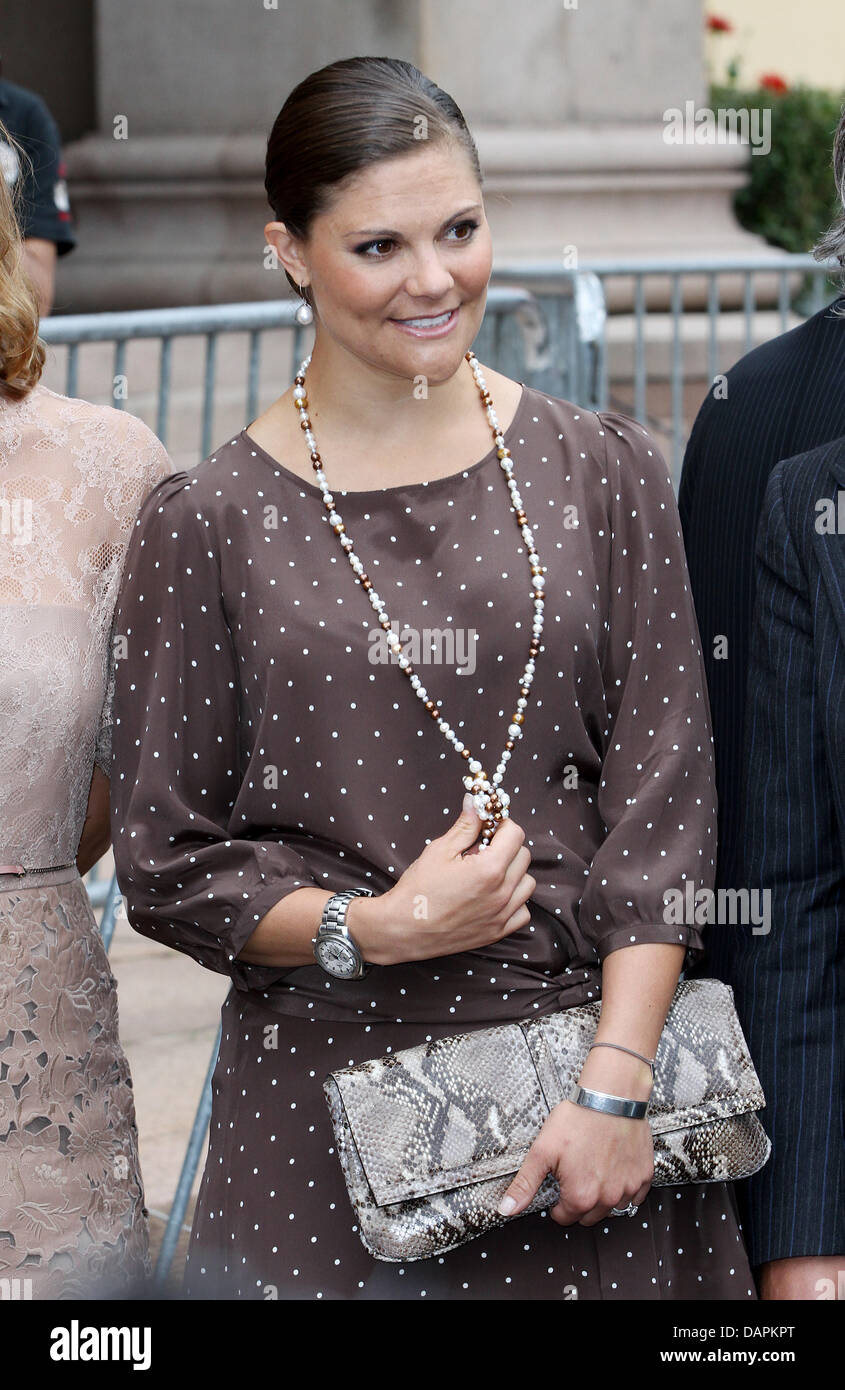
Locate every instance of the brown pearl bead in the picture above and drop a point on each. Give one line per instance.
(495, 812)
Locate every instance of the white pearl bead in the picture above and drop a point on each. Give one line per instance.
(538, 584)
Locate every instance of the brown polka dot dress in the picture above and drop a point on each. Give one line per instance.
(261, 745)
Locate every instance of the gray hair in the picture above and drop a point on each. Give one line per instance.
(832, 244)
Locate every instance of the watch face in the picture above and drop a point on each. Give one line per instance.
(337, 957)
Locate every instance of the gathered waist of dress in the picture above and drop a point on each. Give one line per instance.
(469, 1007)
(15, 875)
(533, 971)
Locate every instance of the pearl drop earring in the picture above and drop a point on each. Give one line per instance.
(303, 314)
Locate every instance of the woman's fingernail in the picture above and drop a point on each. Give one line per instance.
(506, 1206)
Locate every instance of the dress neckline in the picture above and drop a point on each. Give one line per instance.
(431, 484)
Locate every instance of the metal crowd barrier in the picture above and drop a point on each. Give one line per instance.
(111, 901)
(514, 325)
(634, 281)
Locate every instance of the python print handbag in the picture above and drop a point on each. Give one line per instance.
(430, 1137)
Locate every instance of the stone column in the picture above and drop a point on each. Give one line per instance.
(566, 103)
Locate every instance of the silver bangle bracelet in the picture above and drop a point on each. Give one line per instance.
(649, 1061)
(607, 1104)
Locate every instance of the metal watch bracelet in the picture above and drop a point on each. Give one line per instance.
(334, 948)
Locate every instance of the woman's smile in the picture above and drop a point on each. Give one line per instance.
(430, 325)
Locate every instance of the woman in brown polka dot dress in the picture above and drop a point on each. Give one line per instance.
(267, 755)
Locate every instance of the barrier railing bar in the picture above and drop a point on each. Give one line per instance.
(208, 393)
(190, 1163)
(164, 365)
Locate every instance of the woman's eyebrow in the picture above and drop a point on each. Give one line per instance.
(388, 232)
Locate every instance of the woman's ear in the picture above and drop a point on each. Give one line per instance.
(286, 248)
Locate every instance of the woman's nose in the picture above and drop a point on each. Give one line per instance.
(428, 278)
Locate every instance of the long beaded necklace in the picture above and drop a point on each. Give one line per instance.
(489, 798)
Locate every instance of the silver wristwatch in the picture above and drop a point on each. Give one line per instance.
(334, 948)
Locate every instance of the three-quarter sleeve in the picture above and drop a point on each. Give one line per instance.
(189, 879)
(656, 796)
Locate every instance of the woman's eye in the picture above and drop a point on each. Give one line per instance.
(364, 250)
(471, 226)
(367, 248)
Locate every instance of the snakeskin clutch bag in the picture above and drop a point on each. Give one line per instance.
(430, 1137)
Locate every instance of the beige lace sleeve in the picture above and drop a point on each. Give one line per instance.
(144, 462)
(73, 476)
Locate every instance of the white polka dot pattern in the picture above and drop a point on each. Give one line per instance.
(258, 749)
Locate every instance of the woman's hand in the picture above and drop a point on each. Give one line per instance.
(600, 1161)
(453, 898)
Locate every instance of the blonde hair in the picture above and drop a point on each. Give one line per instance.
(21, 350)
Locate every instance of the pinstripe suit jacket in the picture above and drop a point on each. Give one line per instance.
(785, 398)
(789, 983)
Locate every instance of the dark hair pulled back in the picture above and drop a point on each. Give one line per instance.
(345, 117)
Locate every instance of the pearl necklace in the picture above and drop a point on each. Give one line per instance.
(490, 800)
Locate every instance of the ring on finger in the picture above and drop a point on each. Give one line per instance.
(630, 1210)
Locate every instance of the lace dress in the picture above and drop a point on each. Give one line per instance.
(72, 1217)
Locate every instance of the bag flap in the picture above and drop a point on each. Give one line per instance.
(703, 1069)
(444, 1114)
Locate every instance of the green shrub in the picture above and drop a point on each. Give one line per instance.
(790, 198)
